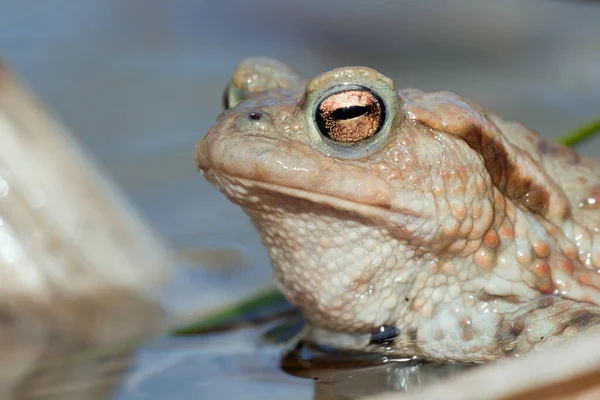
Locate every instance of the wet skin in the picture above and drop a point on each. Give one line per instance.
(419, 213)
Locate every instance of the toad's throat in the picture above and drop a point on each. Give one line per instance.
(341, 270)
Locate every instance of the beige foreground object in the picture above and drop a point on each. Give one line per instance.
(78, 269)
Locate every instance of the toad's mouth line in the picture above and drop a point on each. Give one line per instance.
(368, 210)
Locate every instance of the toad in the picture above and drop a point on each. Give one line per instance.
(409, 222)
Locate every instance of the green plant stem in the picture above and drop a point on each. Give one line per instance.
(254, 303)
(583, 132)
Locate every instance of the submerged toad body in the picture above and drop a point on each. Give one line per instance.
(415, 213)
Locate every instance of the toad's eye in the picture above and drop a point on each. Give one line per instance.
(350, 116)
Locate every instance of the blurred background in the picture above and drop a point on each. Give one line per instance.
(139, 82)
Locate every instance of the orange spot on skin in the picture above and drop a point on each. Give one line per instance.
(571, 252)
(552, 230)
(507, 232)
(433, 268)
(459, 212)
(449, 269)
(451, 229)
(491, 239)
(584, 279)
(566, 266)
(541, 249)
(587, 299)
(588, 278)
(546, 288)
(484, 259)
(524, 258)
(542, 269)
(581, 180)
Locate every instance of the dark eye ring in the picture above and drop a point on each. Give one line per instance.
(351, 115)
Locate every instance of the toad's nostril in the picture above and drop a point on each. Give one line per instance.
(255, 115)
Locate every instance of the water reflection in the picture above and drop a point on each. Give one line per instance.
(72, 350)
(231, 364)
(353, 375)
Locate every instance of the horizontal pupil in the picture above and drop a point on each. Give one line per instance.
(350, 112)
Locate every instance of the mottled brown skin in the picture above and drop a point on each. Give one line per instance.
(472, 236)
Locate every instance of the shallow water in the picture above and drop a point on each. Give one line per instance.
(212, 366)
(139, 83)
(241, 363)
